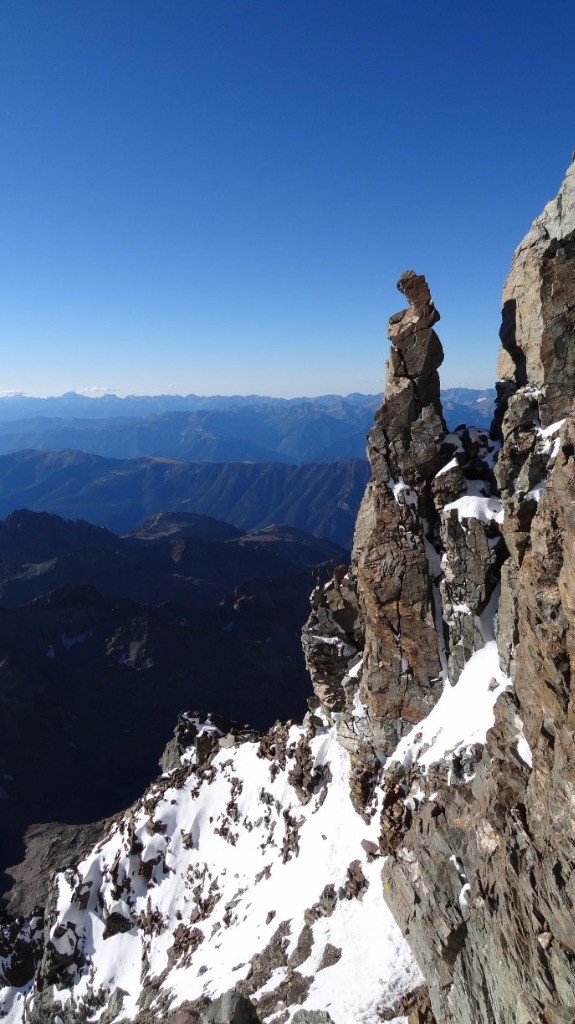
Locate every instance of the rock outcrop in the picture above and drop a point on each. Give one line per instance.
(538, 323)
(464, 560)
(481, 859)
(396, 526)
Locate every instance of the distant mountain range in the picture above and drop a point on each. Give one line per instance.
(119, 494)
(103, 641)
(213, 429)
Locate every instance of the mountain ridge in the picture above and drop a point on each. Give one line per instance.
(432, 781)
(295, 431)
(119, 494)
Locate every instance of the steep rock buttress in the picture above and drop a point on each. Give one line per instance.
(463, 581)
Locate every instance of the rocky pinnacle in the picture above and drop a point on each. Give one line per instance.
(396, 526)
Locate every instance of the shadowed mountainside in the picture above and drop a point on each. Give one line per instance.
(319, 499)
(103, 640)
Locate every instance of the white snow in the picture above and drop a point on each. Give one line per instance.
(446, 468)
(461, 609)
(550, 443)
(352, 673)
(521, 744)
(524, 751)
(478, 507)
(535, 492)
(554, 428)
(403, 491)
(462, 715)
(217, 843)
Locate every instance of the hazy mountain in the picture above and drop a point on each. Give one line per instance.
(220, 430)
(119, 494)
(103, 640)
(71, 404)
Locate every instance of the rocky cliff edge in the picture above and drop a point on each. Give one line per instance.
(464, 587)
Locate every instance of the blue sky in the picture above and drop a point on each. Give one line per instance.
(218, 196)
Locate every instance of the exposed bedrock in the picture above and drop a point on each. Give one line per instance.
(396, 522)
(538, 322)
(424, 567)
(463, 539)
(481, 874)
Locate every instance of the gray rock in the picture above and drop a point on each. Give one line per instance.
(230, 1008)
(312, 1017)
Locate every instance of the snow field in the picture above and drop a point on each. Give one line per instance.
(249, 880)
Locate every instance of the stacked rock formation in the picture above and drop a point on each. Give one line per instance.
(421, 573)
(390, 562)
(402, 664)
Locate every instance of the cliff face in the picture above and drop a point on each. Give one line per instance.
(464, 554)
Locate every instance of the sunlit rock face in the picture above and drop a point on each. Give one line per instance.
(476, 817)
(396, 524)
(481, 851)
(538, 323)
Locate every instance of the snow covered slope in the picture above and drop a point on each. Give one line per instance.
(242, 867)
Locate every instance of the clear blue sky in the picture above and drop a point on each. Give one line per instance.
(218, 196)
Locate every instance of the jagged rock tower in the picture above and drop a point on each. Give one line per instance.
(463, 573)
(396, 520)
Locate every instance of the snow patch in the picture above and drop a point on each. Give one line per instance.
(477, 507)
(223, 855)
(462, 715)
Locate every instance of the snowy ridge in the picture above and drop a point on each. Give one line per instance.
(245, 869)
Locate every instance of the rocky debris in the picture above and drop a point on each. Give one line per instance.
(230, 1008)
(330, 956)
(205, 734)
(324, 907)
(303, 947)
(305, 777)
(50, 847)
(415, 1006)
(21, 942)
(356, 883)
(293, 986)
(153, 923)
(311, 1017)
(469, 509)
